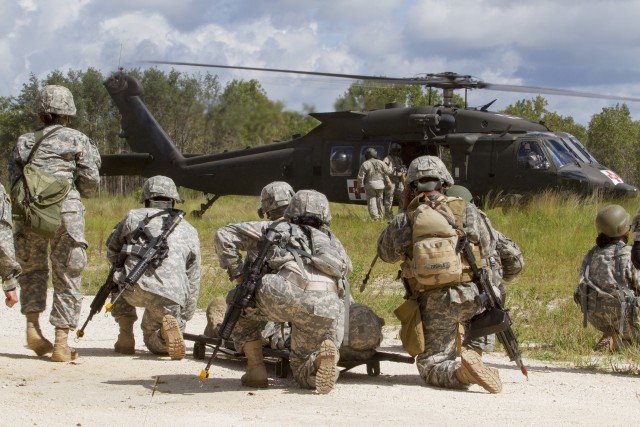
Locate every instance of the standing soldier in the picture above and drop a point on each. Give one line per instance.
(441, 293)
(610, 283)
(395, 188)
(70, 155)
(373, 175)
(169, 291)
(304, 286)
(9, 268)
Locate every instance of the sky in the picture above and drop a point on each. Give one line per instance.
(584, 45)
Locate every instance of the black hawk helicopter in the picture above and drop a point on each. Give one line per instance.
(490, 153)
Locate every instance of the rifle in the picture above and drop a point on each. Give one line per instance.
(495, 319)
(243, 296)
(105, 290)
(151, 255)
(366, 278)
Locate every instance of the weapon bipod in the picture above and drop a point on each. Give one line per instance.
(204, 206)
(201, 342)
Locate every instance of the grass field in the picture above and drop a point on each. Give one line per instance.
(553, 231)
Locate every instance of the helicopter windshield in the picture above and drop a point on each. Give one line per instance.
(582, 149)
(561, 155)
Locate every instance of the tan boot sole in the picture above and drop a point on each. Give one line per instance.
(173, 337)
(40, 345)
(487, 378)
(326, 374)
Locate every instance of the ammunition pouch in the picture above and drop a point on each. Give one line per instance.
(411, 332)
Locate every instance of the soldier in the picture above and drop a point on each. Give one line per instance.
(9, 267)
(395, 186)
(373, 175)
(168, 292)
(68, 154)
(274, 199)
(441, 293)
(304, 286)
(610, 284)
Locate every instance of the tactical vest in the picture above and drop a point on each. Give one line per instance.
(434, 260)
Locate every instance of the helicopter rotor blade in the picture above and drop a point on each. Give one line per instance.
(445, 80)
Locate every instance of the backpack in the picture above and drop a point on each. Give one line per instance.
(37, 196)
(435, 260)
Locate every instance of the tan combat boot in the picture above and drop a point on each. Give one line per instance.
(61, 350)
(473, 371)
(172, 336)
(35, 340)
(256, 374)
(326, 365)
(126, 342)
(215, 316)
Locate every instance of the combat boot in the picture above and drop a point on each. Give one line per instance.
(35, 340)
(606, 343)
(61, 350)
(215, 316)
(256, 374)
(326, 367)
(473, 371)
(126, 342)
(172, 336)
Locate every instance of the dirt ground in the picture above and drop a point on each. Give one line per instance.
(103, 388)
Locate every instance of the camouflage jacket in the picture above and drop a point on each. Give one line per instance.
(373, 170)
(398, 169)
(395, 241)
(231, 239)
(506, 260)
(611, 267)
(9, 267)
(178, 277)
(67, 153)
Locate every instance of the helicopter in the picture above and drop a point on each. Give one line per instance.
(487, 152)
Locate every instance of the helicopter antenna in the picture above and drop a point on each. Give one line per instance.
(120, 58)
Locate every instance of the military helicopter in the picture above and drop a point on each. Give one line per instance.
(489, 153)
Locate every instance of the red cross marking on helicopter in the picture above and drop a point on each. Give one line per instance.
(612, 176)
(356, 192)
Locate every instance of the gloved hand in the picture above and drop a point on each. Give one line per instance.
(635, 254)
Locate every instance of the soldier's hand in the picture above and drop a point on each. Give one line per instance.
(635, 254)
(240, 279)
(11, 298)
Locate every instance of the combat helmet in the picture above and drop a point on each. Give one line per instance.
(460, 191)
(613, 221)
(275, 197)
(308, 203)
(159, 186)
(55, 99)
(428, 167)
(370, 153)
(365, 328)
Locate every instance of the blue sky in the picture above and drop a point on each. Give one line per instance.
(586, 45)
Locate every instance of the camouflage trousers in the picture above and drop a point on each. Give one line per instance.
(313, 316)
(374, 191)
(441, 311)
(155, 308)
(395, 190)
(68, 256)
(609, 322)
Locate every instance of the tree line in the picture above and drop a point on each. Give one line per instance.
(202, 116)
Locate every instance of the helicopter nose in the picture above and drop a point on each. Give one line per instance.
(625, 190)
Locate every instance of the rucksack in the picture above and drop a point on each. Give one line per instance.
(37, 196)
(435, 260)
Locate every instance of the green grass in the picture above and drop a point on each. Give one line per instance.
(554, 232)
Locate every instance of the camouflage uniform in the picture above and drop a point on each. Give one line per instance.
(9, 267)
(372, 174)
(611, 273)
(395, 188)
(281, 296)
(441, 309)
(171, 289)
(66, 153)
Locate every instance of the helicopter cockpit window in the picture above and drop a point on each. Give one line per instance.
(576, 142)
(379, 150)
(560, 154)
(531, 156)
(575, 150)
(340, 161)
